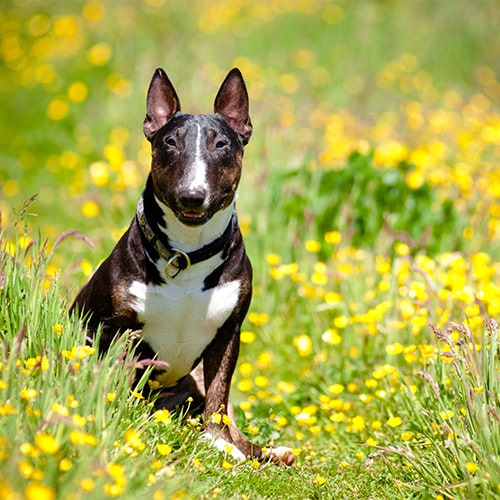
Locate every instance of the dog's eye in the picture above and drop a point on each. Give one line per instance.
(220, 144)
(169, 141)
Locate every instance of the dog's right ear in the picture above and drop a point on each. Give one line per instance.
(162, 103)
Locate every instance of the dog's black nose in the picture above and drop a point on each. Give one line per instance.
(192, 199)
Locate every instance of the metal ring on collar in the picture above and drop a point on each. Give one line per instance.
(172, 267)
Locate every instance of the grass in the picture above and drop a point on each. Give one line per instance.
(371, 346)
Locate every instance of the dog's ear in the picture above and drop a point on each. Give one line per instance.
(162, 103)
(232, 103)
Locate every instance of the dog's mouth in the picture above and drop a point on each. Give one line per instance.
(193, 217)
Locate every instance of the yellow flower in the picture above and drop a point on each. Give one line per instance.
(77, 92)
(247, 337)
(252, 430)
(164, 449)
(29, 450)
(94, 11)
(336, 388)
(445, 415)
(99, 173)
(319, 480)
(7, 409)
(352, 387)
(340, 322)
(38, 363)
(245, 385)
(29, 394)
(57, 109)
(357, 423)
(415, 179)
(394, 349)
(133, 439)
(99, 54)
(90, 209)
(65, 465)
(401, 249)
(25, 469)
(115, 155)
(46, 443)
(258, 319)
(60, 409)
(261, 381)
(264, 360)
(303, 344)
(37, 491)
(246, 369)
(163, 416)
(116, 472)
(82, 438)
(227, 465)
(286, 387)
(86, 267)
(72, 402)
(333, 237)
(114, 489)
(273, 259)
(331, 336)
(58, 328)
(313, 246)
(87, 484)
(390, 154)
(78, 420)
(394, 422)
(472, 467)
(216, 418)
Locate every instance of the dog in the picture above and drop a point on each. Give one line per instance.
(180, 276)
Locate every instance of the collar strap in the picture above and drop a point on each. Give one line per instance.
(178, 260)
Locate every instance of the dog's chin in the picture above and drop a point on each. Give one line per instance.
(193, 218)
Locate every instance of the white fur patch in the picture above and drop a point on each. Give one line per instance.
(180, 319)
(196, 173)
(224, 446)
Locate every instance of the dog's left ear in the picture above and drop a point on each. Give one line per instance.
(232, 103)
(162, 103)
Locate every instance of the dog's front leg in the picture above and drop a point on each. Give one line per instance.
(219, 362)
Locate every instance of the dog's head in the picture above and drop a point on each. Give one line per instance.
(196, 159)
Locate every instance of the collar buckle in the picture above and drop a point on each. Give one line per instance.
(177, 262)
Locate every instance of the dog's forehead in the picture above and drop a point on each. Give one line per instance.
(198, 123)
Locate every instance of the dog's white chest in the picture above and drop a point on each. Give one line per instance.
(180, 321)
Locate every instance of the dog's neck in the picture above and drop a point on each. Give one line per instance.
(190, 238)
(173, 233)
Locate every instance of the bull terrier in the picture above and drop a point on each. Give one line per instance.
(180, 276)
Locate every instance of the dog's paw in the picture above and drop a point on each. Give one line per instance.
(222, 445)
(281, 455)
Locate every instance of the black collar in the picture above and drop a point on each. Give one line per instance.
(178, 260)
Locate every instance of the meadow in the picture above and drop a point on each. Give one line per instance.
(370, 205)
